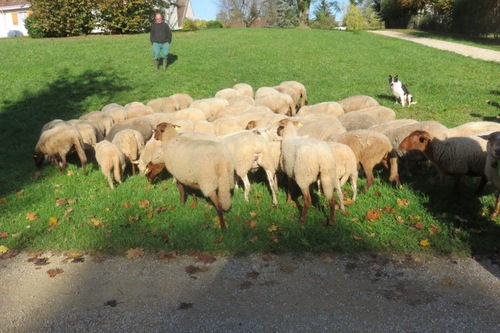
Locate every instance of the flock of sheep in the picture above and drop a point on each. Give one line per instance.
(204, 143)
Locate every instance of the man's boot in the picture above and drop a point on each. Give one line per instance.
(164, 64)
(156, 64)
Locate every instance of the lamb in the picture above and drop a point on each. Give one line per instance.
(111, 160)
(455, 156)
(370, 149)
(306, 160)
(474, 127)
(299, 88)
(227, 93)
(244, 89)
(295, 95)
(278, 103)
(355, 103)
(59, 141)
(251, 151)
(164, 104)
(143, 125)
(200, 164)
(152, 152)
(347, 167)
(102, 121)
(366, 118)
(131, 143)
(492, 167)
(329, 108)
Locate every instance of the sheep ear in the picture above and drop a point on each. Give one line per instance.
(486, 137)
(148, 170)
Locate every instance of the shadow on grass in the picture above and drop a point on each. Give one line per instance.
(172, 58)
(387, 97)
(21, 120)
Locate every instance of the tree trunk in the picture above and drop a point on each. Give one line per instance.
(303, 7)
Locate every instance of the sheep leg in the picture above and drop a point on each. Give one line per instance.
(272, 185)
(182, 193)
(289, 192)
(393, 162)
(246, 186)
(133, 169)
(62, 167)
(331, 218)
(482, 183)
(307, 203)
(497, 208)
(370, 179)
(456, 185)
(215, 201)
(110, 180)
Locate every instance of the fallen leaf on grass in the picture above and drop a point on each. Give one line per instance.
(54, 271)
(434, 229)
(135, 253)
(251, 224)
(4, 234)
(424, 242)
(37, 175)
(32, 216)
(61, 201)
(3, 201)
(373, 214)
(419, 225)
(357, 238)
(76, 257)
(272, 228)
(253, 214)
(389, 210)
(53, 221)
(70, 173)
(144, 203)
(95, 222)
(348, 202)
(219, 239)
(403, 202)
(191, 269)
(126, 205)
(3, 249)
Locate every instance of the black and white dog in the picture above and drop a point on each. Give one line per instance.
(399, 90)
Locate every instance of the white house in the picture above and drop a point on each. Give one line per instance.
(12, 16)
(176, 15)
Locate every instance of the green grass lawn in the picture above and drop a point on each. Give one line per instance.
(47, 79)
(486, 43)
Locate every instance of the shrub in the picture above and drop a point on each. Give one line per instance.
(201, 24)
(189, 25)
(214, 24)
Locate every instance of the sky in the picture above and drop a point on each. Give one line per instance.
(207, 9)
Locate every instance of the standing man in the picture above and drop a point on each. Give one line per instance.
(160, 37)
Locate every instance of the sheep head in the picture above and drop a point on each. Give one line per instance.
(417, 140)
(38, 158)
(493, 147)
(283, 124)
(165, 131)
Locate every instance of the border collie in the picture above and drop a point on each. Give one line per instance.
(399, 90)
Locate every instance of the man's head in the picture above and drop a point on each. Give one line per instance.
(158, 18)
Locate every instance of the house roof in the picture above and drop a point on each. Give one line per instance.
(14, 3)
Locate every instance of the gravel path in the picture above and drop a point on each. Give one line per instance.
(257, 293)
(468, 51)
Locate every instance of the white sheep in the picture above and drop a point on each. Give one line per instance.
(210, 106)
(366, 118)
(295, 95)
(370, 149)
(189, 113)
(391, 124)
(183, 101)
(299, 88)
(359, 102)
(492, 167)
(115, 111)
(164, 104)
(227, 93)
(89, 132)
(152, 152)
(227, 125)
(455, 156)
(244, 88)
(59, 141)
(346, 166)
(111, 160)
(321, 129)
(101, 120)
(54, 123)
(204, 127)
(328, 108)
(143, 125)
(472, 128)
(241, 100)
(251, 151)
(306, 160)
(200, 164)
(131, 143)
(138, 111)
(264, 91)
(278, 103)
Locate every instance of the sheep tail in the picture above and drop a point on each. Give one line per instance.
(226, 183)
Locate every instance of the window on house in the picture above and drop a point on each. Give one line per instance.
(15, 20)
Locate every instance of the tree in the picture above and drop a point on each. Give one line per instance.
(303, 7)
(129, 16)
(324, 17)
(246, 11)
(280, 13)
(51, 18)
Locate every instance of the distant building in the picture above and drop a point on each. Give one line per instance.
(175, 15)
(12, 16)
